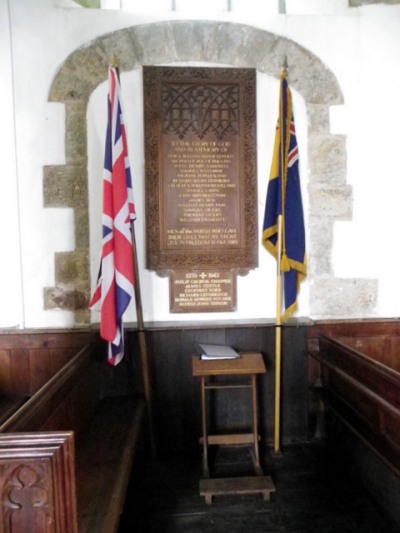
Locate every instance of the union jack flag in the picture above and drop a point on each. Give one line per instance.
(115, 281)
(284, 198)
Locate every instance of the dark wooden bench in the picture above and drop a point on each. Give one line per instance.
(363, 394)
(66, 453)
(9, 403)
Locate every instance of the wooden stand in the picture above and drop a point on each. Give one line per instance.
(249, 364)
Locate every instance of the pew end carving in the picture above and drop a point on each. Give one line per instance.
(37, 482)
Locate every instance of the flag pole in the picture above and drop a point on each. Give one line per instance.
(278, 320)
(142, 344)
(278, 342)
(284, 237)
(140, 324)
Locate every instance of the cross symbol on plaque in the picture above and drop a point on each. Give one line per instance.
(203, 275)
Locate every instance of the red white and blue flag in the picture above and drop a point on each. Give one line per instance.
(115, 281)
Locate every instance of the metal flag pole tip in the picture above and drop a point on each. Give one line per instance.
(114, 61)
(285, 66)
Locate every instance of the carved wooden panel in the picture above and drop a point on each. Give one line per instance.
(37, 483)
(200, 152)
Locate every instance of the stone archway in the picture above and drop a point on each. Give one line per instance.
(330, 198)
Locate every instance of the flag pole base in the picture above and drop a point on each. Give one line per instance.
(277, 454)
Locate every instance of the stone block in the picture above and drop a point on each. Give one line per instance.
(321, 237)
(331, 201)
(318, 118)
(82, 317)
(121, 45)
(71, 268)
(193, 39)
(75, 133)
(306, 74)
(319, 263)
(327, 158)
(318, 84)
(343, 298)
(65, 299)
(81, 227)
(153, 44)
(241, 46)
(67, 85)
(65, 186)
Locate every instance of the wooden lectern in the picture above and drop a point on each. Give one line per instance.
(247, 366)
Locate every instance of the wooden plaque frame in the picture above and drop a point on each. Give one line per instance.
(175, 116)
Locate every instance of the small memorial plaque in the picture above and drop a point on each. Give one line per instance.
(198, 291)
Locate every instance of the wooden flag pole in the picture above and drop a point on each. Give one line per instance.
(140, 324)
(278, 321)
(142, 344)
(278, 342)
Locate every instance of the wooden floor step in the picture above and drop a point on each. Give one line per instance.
(235, 486)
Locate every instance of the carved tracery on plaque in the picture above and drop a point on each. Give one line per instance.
(201, 109)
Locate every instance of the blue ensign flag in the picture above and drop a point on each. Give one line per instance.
(284, 198)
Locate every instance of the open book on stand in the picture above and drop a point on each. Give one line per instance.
(216, 351)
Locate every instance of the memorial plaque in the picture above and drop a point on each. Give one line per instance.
(202, 291)
(200, 158)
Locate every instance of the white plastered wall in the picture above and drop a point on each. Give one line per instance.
(360, 46)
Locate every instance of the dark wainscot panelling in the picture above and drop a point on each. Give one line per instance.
(176, 393)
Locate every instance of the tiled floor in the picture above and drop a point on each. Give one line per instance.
(313, 495)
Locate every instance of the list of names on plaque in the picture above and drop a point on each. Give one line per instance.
(200, 291)
(204, 188)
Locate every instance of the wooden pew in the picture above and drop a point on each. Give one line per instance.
(364, 394)
(66, 453)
